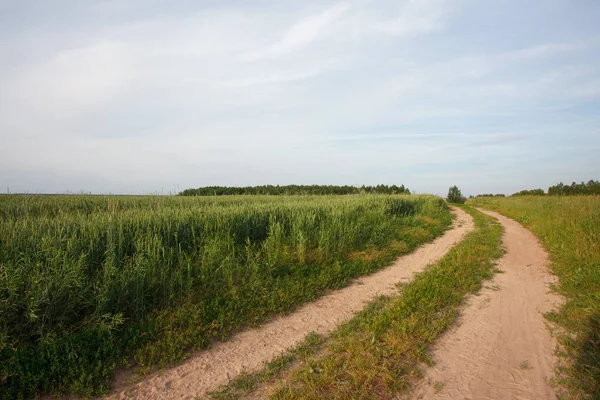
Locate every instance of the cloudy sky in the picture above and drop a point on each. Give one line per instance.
(143, 96)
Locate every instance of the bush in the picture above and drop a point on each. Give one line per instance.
(455, 195)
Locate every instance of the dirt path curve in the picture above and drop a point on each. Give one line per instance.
(248, 350)
(500, 348)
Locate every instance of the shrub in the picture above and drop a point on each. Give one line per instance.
(455, 195)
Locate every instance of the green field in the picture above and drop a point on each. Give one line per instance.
(569, 228)
(91, 283)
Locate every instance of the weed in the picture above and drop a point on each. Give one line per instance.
(494, 288)
(438, 386)
(525, 365)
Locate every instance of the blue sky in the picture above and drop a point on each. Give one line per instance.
(118, 96)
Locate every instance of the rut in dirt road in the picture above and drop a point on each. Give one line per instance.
(501, 347)
(249, 350)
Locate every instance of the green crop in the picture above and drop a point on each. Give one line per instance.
(89, 283)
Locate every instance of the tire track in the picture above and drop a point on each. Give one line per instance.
(501, 347)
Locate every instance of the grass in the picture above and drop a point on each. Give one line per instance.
(378, 353)
(282, 368)
(247, 382)
(525, 365)
(438, 386)
(569, 228)
(91, 283)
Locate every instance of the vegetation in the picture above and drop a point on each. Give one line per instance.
(569, 228)
(377, 354)
(490, 195)
(90, 283)
(533, 192)
(294, 190)
(590, 188)
(244, 383)
(455, 195)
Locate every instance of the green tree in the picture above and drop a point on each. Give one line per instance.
(455, 195)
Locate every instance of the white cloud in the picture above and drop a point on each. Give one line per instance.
(63, 89)
(301, 34)
(416, 16)
(284, 76)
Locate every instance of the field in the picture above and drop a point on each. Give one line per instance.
(90, 283)
(93, 284)
(569, 229)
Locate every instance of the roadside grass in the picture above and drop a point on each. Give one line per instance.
(569, 228)
(257, 384)
(378, 354)
(273, 371)
(91, 283)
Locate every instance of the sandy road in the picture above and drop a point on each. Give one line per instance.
(500, 348)
(205, 371)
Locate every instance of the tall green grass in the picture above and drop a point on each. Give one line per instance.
(89, 283)
(569, 228)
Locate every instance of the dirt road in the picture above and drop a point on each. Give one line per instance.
(500, 348)
(248, 350)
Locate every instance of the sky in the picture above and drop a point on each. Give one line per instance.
(148, 96)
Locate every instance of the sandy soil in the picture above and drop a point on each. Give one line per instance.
(205, 371)
(501, 347)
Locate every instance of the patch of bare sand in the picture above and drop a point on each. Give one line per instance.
(249, 350)
(501, 347)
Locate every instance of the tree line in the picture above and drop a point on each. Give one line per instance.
(294, 190)
(590, 188)
(532, 192)
(490, 195)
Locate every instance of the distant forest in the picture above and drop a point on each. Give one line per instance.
(294, 190)
(490, 195)
(590, 188)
